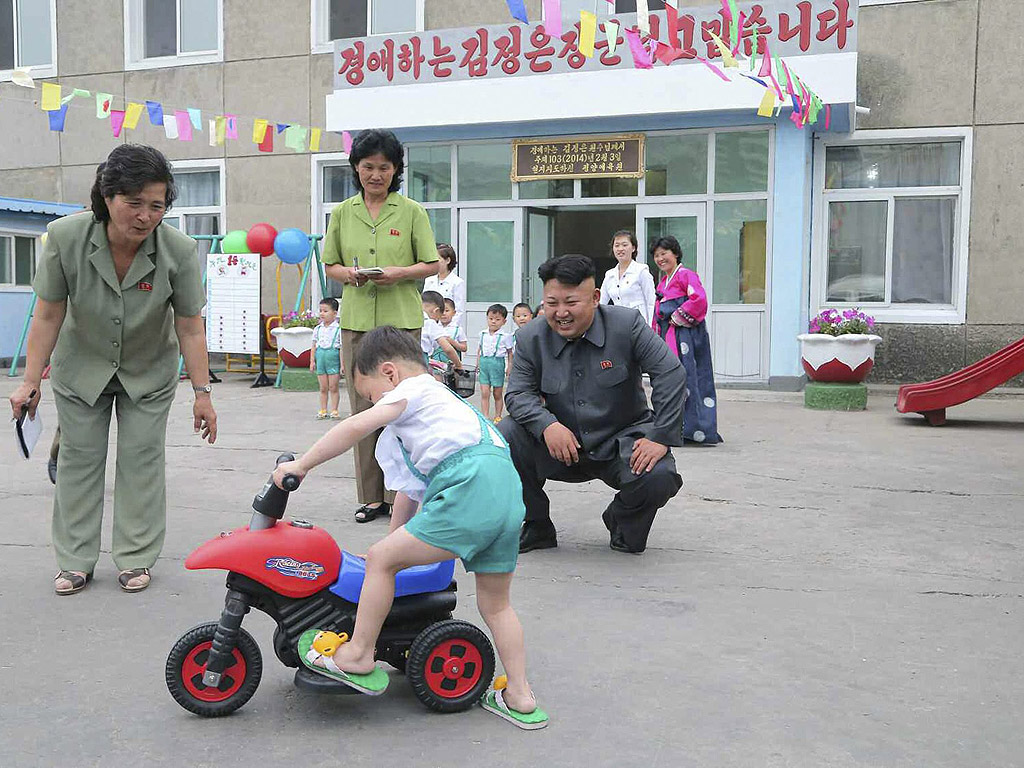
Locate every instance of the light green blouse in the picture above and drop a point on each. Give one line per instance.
(400, 237)
(110, 328)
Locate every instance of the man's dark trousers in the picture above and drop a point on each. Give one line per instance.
(631, 512)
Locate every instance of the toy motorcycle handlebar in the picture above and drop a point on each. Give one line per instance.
(269, 504)
(290, 482)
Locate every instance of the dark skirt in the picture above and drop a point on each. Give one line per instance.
(693, 348)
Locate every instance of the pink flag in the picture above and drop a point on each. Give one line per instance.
(641, 58)
(184, 121)
(716, 70)
(231, 126)
(346, 141)
(828, 116)
(116, 121)
(553, 17)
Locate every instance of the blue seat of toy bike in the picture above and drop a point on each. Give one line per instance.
(417, 580)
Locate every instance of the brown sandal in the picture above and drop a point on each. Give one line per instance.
(78, 582)
(134, 573)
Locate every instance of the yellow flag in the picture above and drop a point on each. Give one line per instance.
(727, 58)
(588, 29)
(221, 129)
(132, 114)
(314, 140)
(767, 103)
(259, 131)
(51, 97)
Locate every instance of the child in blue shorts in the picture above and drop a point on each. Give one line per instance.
(495, 355)
(325, 357)
(443, 457)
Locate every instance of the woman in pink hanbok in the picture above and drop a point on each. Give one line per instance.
(679, 314)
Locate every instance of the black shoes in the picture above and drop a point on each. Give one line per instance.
(616, 541)
(51, 470)
(537, 535)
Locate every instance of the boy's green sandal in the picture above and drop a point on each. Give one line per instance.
(373, 684)
(494, 703)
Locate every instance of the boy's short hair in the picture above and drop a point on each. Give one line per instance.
(571, 269)
(521, 305)
(434, 299)
(330, 302)
(386, 344)
(449, 303)
(498, 309)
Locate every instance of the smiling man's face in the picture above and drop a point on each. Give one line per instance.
(569, 309)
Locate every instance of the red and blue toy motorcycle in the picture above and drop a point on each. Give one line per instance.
(295, 573)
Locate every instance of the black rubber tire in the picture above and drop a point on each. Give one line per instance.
(423, 646)
(251, 655)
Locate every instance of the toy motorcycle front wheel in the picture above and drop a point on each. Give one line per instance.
(187, 662)
(450, 666)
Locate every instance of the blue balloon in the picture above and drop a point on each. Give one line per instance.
(291, 246)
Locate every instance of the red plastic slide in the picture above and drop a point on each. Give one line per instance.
(932, 398)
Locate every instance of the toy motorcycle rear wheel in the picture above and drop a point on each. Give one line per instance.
(187, 662)
(450, 666)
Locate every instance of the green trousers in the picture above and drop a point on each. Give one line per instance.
(140, 498)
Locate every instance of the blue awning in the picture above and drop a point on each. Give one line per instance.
(41, 207)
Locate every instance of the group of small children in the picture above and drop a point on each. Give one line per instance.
(497, 348)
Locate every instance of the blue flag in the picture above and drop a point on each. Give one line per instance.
(518, 10)
(281, 127)
(156, 112)
(57, 117)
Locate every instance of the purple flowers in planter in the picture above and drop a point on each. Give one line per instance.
(831, 323)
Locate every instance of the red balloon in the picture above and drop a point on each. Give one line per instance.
(261, 239)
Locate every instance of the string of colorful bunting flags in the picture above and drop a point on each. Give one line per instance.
(782, 86)
(177, 124)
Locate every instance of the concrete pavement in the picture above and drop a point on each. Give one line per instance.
(828, 589)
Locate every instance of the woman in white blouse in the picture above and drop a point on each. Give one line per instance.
(446, 282)
(629, 283)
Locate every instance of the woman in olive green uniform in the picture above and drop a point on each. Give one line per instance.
(377, 228)
(119, 294)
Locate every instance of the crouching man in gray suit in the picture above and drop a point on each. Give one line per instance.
(577, 410)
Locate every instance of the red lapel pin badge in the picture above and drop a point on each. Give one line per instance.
(606, 364)
(395, 233)
(144, 286)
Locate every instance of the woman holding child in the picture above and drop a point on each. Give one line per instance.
(378, 245)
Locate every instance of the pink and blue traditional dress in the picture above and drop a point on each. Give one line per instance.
(679, 314)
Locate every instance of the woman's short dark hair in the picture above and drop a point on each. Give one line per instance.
(385, 344)
(127, 169)
(571, 269)
(668, 243)
(632, 239)
(377, 141)
(447, 253)
(329, 301)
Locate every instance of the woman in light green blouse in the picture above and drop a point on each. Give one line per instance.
(377, 227)
(119, 293)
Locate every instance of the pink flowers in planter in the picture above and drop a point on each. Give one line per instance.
(831, 323)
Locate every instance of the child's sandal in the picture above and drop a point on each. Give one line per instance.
(321, 415)
(335, 415)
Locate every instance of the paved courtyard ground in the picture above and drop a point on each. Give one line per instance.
(828, 589)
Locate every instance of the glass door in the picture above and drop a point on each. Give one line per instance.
(540, 246)
(685, 222)
(491, 263)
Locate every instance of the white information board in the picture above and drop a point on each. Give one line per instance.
(233, 303)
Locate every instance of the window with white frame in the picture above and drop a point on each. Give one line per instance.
(336, 186)
(340, 19)
(17, 259)
(160, 33)
(28, 36)
(892, 223)
(199, 209)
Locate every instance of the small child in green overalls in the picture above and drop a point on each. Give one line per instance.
(495, 356)
(325, 357)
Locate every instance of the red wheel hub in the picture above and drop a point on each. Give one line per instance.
(194, 666)
(453, 668)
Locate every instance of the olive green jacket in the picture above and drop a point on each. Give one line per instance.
(400, 237)
(125, 329)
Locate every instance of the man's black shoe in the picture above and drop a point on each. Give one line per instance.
(619, 545)
(51, 470)
(537, 535)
